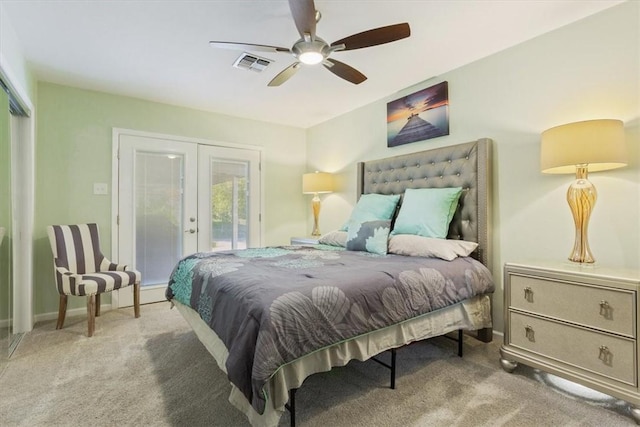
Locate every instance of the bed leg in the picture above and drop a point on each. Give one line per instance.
(391, 366)
(460, 342)
(485, 334)
(291, 406)
(393, 369)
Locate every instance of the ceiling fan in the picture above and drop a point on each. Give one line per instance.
(311, 49)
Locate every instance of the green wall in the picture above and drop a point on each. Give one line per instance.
(73, 151)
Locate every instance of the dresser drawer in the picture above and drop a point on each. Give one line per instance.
(604, 354)
(603, 308)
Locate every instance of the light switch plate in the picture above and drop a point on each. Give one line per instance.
(100, 188)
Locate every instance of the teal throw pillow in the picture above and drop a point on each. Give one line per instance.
(373, 207)
(427, 212)
(370, 236)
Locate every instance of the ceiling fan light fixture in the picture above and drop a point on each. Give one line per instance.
(311, 52)
(311, 57)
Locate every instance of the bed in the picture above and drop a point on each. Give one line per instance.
(271, 317)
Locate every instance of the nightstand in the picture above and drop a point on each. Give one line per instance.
(304, 241)
(577, 322)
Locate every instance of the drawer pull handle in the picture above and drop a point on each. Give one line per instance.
(528, 294)
(605, 309)
(605, 355)
(529, 333)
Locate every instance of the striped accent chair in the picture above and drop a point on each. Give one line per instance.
(82, 270)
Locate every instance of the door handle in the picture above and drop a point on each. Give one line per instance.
(191, 230)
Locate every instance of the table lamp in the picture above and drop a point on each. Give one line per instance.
(582, 147)
(315, 183)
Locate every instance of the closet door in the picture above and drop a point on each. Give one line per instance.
(6, 297)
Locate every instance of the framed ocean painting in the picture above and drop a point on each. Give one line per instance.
(419, 116)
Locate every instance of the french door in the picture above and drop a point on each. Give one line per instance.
(179, 197)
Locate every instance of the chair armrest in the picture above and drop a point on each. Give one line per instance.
(61, 270)
(67, 273)
(107, 265)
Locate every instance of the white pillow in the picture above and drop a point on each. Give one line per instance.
(411, 245)
(334, 238)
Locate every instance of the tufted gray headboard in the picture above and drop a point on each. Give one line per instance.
(463, 165)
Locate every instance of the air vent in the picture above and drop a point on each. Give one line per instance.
(251, 62)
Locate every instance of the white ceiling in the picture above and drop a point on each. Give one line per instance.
(158, 50)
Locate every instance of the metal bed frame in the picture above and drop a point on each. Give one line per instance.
(291, 406)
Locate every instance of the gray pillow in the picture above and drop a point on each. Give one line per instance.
(370, 236)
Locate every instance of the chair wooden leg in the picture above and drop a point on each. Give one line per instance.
(97, 305)
(62, 311)
(91, 313)
(136, 299)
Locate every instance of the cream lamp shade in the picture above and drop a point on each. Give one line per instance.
(599, 144)
(580, 148)
(317, 182)
(314, 183)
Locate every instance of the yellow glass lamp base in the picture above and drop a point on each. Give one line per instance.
(581, 197)
(315, 205)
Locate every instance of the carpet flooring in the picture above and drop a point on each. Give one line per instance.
(153, 371)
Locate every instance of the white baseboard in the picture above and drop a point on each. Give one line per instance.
(72, 312)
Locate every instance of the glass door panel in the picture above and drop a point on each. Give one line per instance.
(158, 214)
(229, 205)
(228, 198)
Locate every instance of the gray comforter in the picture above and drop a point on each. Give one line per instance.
(273, 305)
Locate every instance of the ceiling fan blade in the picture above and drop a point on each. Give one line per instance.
(375, 37)
(304, 16)
(344, 71)
(285, 74)
(248, 46)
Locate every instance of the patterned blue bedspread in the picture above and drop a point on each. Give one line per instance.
(273, 305)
